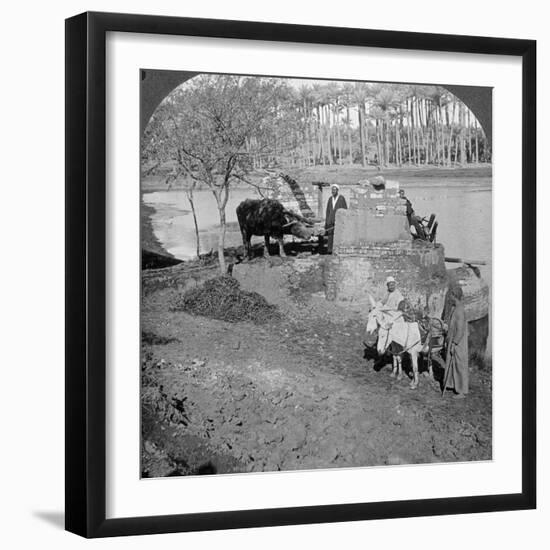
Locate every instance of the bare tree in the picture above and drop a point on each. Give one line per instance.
(211, 127)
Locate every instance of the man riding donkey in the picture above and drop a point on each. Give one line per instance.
(387, 327)
(394, 327)
(391, 328)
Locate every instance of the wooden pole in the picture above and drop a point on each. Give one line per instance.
(447, 370)
(464, 261)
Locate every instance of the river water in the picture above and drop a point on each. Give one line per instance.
(463, 209)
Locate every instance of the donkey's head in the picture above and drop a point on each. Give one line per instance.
(377, 329)
(371, 331)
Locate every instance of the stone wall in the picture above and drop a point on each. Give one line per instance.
(361, 227)
(357, 271)
(374, 216)
(281, 282)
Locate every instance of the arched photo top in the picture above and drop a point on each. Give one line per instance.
(157, 85)
(279, 122)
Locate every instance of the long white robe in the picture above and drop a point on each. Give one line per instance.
(392, 300)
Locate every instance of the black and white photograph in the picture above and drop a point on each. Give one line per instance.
(316, 284)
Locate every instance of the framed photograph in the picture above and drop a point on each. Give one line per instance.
(300, 274)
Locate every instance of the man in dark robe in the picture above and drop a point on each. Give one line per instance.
(413, 219)
(456, 364)
(335, 202)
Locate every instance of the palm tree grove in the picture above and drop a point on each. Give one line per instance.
(298, 123)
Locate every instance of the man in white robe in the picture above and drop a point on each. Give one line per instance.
(393, 298)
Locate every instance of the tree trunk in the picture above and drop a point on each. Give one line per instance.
(462, 136)
(429, 135)
(456, 148)
(451, 134)
(397, 145)
(221, 242)
(419, 133)
(361, 134)
(320, 136)
(338, 133)
(413, 133)
(305, 145)
(385, 126)
(221, 202)
(442, 139)
(409, 140)
(378, 144)
(349, 139)
(329, 150)
(189, 193)
(366, 138)
(469, 137)
(477, 142)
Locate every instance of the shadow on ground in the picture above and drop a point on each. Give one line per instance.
(57, 519)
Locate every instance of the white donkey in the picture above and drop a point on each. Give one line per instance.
(387, 327)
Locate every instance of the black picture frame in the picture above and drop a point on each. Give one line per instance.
(86, 284)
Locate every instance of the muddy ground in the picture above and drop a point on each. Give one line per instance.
(293, 394)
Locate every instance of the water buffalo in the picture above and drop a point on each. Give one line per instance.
(270, 218)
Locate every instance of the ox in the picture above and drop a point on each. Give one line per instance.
(269, 218)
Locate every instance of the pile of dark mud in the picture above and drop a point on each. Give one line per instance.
(222, 298)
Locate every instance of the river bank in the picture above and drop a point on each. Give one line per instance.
(342, 174)
(148, 238)
(432, 189)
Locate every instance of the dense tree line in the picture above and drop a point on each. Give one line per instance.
(357, 123)
(381, 124)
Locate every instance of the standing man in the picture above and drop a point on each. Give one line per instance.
(393, 298)
(456, 363)
(335, 202)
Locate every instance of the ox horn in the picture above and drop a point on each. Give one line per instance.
(372, 302)
(297, 217)
(290, 223)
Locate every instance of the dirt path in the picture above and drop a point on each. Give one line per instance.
(298, 394)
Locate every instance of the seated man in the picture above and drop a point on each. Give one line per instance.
(393, 298)
(414, 220)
